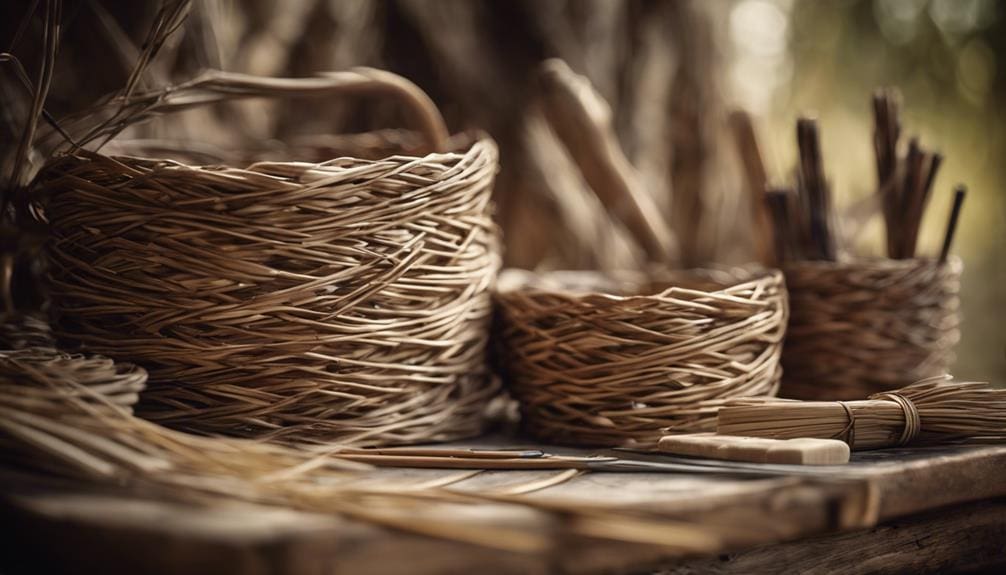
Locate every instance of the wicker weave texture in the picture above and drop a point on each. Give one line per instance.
(592, 368)
(99, 379)
(344, 301)
(862, 327)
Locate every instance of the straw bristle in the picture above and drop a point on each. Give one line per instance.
(57, 420)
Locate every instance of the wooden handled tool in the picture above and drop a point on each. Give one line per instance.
(581, 119)
(803, 451)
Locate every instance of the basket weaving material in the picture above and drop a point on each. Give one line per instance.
(589, 367)
(117, 383)
(340, 301)
(863, 327)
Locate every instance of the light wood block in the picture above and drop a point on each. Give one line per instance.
(803, 451)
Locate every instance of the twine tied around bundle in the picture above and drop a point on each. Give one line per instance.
(913, 423)
(848, 434)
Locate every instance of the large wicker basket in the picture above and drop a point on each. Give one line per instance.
(337, 301)
(597, 360)
(861, 327)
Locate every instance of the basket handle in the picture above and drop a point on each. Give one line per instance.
(217, 86)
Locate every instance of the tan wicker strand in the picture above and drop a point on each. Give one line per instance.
(868, 326)
(592, 368)
(340, 301)
(118, 383)
(25, 330)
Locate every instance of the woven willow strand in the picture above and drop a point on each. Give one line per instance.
(861, 327)
(930, 411)
(592, 368)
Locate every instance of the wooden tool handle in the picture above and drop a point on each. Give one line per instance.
(803, 451)
(581, 119)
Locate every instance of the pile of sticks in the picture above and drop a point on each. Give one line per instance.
(801, 215)
(905, 183)
(799, 218)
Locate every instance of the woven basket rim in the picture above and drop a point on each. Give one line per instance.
(242, 168)
(870, 263)
(737, 276)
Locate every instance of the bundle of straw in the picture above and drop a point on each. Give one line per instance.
(54, 423)
(934, 410)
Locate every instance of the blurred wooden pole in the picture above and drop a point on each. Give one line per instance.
(582, 120)
(756, 180)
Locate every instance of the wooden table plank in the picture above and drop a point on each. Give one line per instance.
(964, 538)
(81, 527)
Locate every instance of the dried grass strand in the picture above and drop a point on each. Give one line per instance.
(76, 432)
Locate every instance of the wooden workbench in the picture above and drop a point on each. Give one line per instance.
(928, 509)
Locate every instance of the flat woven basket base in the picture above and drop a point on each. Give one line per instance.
(595, 369)
(346, 301)
(861, 327)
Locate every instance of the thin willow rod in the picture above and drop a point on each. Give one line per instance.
(931, 411)
(50, 41)
(169, 19)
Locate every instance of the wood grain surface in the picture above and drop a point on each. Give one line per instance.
(53, 527)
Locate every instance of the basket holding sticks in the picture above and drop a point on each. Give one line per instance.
(619, 359)
(333, 301)
(864, 326)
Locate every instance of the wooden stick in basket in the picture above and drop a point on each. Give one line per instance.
(887, 130)
(757, 180)
(778, 201)
(582, 121)
(917, 199)
(955, 213)
(930, 411)
(815, 188)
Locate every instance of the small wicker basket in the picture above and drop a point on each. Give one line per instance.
(338, 301)
(866, 326)
(615, 360)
